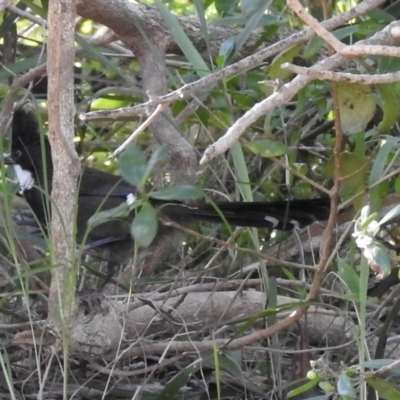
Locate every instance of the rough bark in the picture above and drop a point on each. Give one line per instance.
(66, 165)
(130, 20)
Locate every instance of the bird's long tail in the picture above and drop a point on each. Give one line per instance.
(283, 215)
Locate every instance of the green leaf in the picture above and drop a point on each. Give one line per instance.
(390, 105)
(267, 148)
(226, 51)
(241, 171)
(201, 6)
(145, 225)
(377, 364)
(132, 164)
(225, 6)
(252, 23)
(380, 15)
(106, 61)
(365, 222)
(326, 386)
(388, 65)
(304, 388)
(159, 155)
(353, 170)
(356, 106)
(275, 70)
(101, 217)
(388, 143)
(184, 192)
(313, 47)
(172, 388)
(249, 7)
(250, 321)
(20, 67)
(184, 43)
(350, 277)
(386, 390)
(345, 386)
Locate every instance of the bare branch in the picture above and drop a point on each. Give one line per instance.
(236, 68)
(139, 130)
(282, 96)
(337, 45)
(365, 79)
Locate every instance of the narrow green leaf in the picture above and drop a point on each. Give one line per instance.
(377, 364)
(225, 6)
(304, 388)
(159, 155)
(20, 66)
(252, 23)
(390, 106)
(248, 322)
(275, 71)
(226, 51)
(267, 148)
(145, 225)
(326, 386)
(249, 7)
(341, 33)
(243, 180)
(386, 390)
(182, 40)
(106, 61)
(200, 8)
(388, 64)
(103, 216)
(350, 277)
(313, 47)
(132, 164)
(388, 144)
(172, 388)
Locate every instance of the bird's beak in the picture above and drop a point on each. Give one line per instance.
(8, 159)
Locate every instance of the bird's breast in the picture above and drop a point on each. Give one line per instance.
(25, 178)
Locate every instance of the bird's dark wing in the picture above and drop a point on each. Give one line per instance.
(95, 182)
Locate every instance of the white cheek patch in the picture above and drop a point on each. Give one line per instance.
(24, 177)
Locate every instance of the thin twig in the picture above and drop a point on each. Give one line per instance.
(160, 108)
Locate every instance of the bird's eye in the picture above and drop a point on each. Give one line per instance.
(17, 154)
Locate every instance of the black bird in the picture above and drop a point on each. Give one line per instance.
(99, 190)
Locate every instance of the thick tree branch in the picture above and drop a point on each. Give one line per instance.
(66, 166)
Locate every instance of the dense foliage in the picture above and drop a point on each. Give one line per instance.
(227, 293)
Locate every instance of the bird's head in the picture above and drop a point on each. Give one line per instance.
(26, 146)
